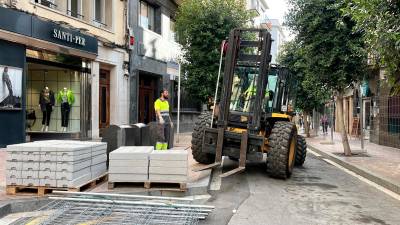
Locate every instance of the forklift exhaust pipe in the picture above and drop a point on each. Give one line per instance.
(223, 47)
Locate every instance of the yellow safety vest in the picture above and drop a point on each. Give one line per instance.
(162, 106)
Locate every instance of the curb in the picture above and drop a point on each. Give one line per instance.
(362, 172)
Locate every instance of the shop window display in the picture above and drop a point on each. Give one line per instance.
(53, 99)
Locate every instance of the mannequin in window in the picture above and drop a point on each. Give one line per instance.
(66, 98)
(46, 103)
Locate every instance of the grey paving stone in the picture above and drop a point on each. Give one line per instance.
(128, 163)
(116, 177)
(28, 174)
(67, 175)
(168, 163)
(30, 182)
(47, 174)
(130, 170)
(131, 153)
(17, 165)
(168, 170)
(178, 155)
(13, 180)
(48, 165)
(30, 166)
(14, 173)
(99, 159)
(74, 183)
(48, 182)
(73, 166)
(167, 178)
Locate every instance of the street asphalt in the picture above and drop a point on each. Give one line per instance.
(317, 193)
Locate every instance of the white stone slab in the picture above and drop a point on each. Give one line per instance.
(48, 165)
(99, 159)
(30, 182)
(168, 163)
(14, 148)
(178, 155)
(67, 175)
(13, 173)
(29, 174)
(131, 153)
(48, 182)
(14, 156)
(47, 174)
(73, 156)
(98, 169)
(99, 152)
(115, 177)
(31, 156)
(48, 156)
(16, 165)
(31, 147)
(130, 170)
(73, 166)
(167, 178)
(74, 183)
(13, 180)
(129, 163)
(30, 166)
(168, 170)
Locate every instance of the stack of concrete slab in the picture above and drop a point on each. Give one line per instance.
(168, 166)
(129, 164)
(64, 164)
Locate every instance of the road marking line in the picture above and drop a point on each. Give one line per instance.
(365, 180)
(314, 153)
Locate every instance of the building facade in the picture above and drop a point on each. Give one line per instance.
(278, 38)
(54, 45)
(154, 58)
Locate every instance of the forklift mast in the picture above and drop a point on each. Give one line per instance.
(246, 48)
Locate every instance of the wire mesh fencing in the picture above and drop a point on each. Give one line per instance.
(113, 209)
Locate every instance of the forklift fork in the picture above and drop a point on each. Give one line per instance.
(218, 154)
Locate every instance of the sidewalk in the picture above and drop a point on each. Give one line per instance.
(377, 163)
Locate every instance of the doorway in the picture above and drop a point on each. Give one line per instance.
(147, 96)
(104, 100)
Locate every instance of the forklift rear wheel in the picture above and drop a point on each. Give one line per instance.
(202, 123)
(281, 156)
(301, 151)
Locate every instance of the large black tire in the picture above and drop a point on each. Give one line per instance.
(203, 122)
(301, 151)
(280, 142)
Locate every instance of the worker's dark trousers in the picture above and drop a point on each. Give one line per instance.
(47, 114)
(163, 136)
(65, 109)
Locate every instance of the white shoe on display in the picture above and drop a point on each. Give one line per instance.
(43, 127)
(46, 129)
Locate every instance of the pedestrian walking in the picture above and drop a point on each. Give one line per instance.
(324, 122)
(164, 121)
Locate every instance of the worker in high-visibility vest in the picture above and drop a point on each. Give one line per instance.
(164, 121)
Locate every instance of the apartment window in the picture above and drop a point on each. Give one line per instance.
(75, 8)
(147, 16)
(172, 30)
(99, 10)
(102, 18)
(48, 3)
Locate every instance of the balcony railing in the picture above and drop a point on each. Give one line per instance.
(75, 14)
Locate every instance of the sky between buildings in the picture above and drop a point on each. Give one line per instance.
(277, 10)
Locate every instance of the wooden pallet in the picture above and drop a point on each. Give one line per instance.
(158, 185)
(43, 190)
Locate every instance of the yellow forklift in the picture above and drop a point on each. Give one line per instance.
(253, 116)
